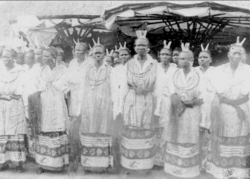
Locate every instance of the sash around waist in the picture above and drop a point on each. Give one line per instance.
(142, 91)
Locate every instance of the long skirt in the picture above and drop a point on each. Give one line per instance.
(232, 159)
(160, 147)
(138, 149)
(97, 151)
(12, 150)
(182, 160)
(205, 139)
(52, 151)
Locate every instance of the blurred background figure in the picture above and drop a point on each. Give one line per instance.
(116, 59)
(60, 58)
(176, 53)
(124, 55)
(29, 59)
(109, 60)
(19, 58)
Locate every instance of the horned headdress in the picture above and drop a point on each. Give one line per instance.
(204, 49)
(76, 42)
(141, 34)
(96, 43)
(165, 45)
(109, 53)
(238, 43)
(185, 47)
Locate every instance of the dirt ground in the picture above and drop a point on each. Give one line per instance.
(30, 173)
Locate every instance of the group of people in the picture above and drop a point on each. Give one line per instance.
(138, 114)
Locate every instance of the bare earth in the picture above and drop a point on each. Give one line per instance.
(30, 173)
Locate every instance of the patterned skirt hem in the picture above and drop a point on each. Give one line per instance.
(53, 168)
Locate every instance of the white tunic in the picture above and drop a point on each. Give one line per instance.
(76, 75)
(163, 79)
(234, 86)
(187, 88)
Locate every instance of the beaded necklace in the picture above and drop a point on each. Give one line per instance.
(140, 75)
(195, 82)
(95, 82)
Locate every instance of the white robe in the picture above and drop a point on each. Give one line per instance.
(163, 79)
(234, 87)
(76, 76)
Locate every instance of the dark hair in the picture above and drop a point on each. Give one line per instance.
(13, 52)
(167, 49)
(208, 52)
(100, 45)
(60, 51)
(126, 49)
(177, 49)
(30, 52)
(53, 51)
(144, 39)
(84, 45)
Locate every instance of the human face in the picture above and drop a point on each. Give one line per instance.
(29, 59)
(7, 59)
(184, 60)
(20, 58)
(165, 56)
(116, 57)
(236, 54)
(80, 52)
(59, 58)
(141, 46)
(175, 56)
(98, 53)
(108, 60)
(47, 57)
(204, 59)
(38, 55)
(124, 56)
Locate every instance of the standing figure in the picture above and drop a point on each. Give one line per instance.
(138, 149)
(29, 88)
(182, 123)
(96, 128)
(76, 71)
(165, 71)
(229, 155)
(209, 75)
(13, 125)
(48, 115)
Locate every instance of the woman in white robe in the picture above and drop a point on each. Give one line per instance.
(165, 71)
(182, 120)
(49, 116)
(229, 155)
(13, 124)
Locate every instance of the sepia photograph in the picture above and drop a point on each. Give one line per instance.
(124, 89)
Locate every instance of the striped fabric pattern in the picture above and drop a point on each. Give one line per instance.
(233, 159)
(12, 149)
(182, 160)
(138, 149)
(52, 153)
(96, 151)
